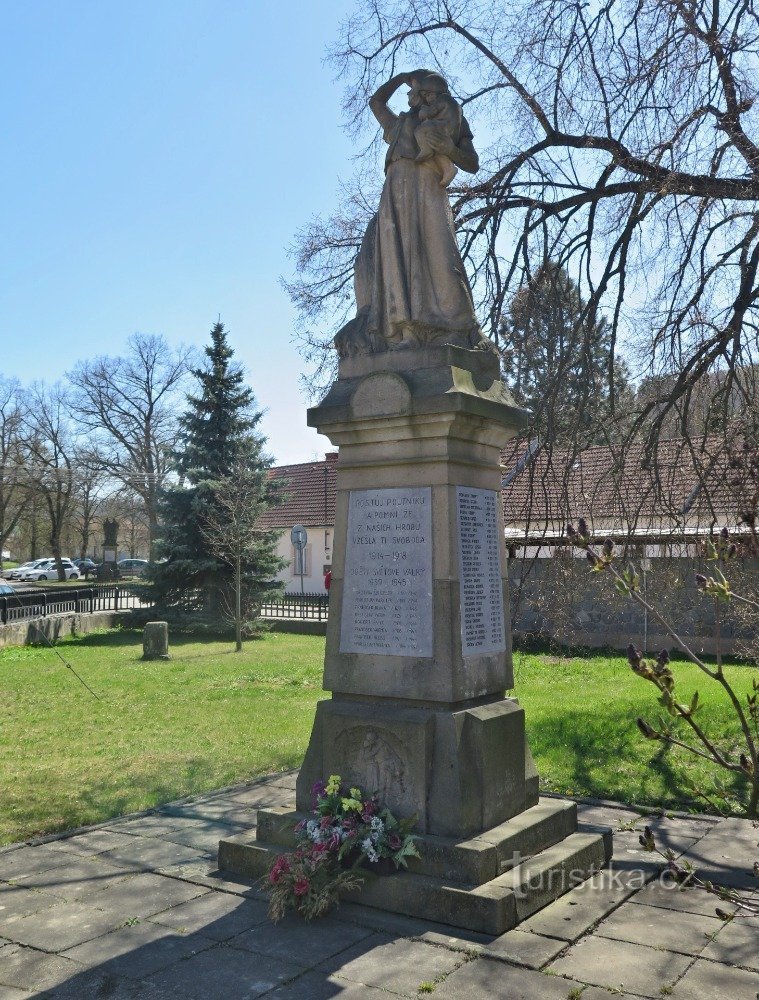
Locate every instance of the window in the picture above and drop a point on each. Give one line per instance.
(295, 561)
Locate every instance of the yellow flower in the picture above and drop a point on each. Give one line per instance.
(333, 785)
(351, 804)
(356, 793)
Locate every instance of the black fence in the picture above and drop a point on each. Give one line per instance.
(84, 600)
(314, 607)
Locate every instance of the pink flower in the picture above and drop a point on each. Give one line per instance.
(334, 842)
(325, 822)
(280, 867)
(394, 842)
(349, 822)
(301, 887)
(370, 808)
(319, 848)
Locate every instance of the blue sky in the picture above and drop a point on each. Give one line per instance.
(159, 157)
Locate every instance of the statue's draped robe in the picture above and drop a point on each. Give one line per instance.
(410, 281)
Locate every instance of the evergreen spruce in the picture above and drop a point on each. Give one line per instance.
(218, 437)
(557, 363)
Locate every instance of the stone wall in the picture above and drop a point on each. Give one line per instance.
(560, 600)
(36, 630)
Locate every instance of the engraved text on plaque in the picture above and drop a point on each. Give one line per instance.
(387, 595)
(482, 619)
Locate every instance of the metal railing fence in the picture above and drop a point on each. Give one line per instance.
(83, 600)
(313, 607)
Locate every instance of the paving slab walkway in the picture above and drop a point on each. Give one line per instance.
(135, 909)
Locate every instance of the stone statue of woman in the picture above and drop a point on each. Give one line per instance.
(410, 283)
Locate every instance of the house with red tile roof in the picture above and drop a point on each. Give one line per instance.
(665, 505)
(309, 500)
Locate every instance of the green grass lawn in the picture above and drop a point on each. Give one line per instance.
(581, 725)
(211, 717)
(206, 718)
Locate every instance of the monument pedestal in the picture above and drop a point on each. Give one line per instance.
(418, 653)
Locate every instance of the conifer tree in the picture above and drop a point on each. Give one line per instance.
(557, 362)
(218, 436)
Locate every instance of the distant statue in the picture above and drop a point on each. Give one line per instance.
(410, 283)
(110, 532)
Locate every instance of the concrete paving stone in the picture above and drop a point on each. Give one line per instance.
(485, 979)
(95, 984)
(206, 873)
(737, 943)
(398, 925)
(203, 835)
(312, 986)
(621, 965)
(223, 973)
(216, 915)
(283, 779)
(150, 825)
(395, 964)
(312, 943)
(709, 980)
(145, 894)
(28, 969)
(16, 901)
(597, 993)
(80, 877)
(29, 861)
(727, 854)
(10, 993)
(676, 931)
(523, 948)
(576, 912)
(138, 950)
(148, 853)
(263, 798)
(219, 812)
(668, 895)
(62, 926)
(91, 842)
(673, 834)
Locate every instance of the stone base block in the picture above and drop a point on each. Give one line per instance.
(459, 772)
(488, 883)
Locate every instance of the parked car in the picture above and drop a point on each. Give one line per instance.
(49, 571)
(19, 571)
(132, 567)
(6, 590)
(85, 566)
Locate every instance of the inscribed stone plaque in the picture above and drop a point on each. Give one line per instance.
(482, 620)
(387, 596)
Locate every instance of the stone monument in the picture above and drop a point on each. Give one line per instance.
(155, 641)
(109, 570)
(418, 654)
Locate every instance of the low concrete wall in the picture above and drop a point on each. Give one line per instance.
(56, 626)
(298, 626)
(559, 600)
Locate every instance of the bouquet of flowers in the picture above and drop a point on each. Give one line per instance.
(348, 830)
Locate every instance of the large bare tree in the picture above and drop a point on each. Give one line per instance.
(50, 448)
(129, 403)
(13, 485)
(618, 140)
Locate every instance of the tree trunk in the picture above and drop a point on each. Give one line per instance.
(152, 528)
(238, 606)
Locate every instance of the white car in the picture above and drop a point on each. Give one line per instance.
(48, 570)
(19, 571)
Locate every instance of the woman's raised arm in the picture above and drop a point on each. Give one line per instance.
(378, 100)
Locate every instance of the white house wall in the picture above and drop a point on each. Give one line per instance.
(318, 556)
